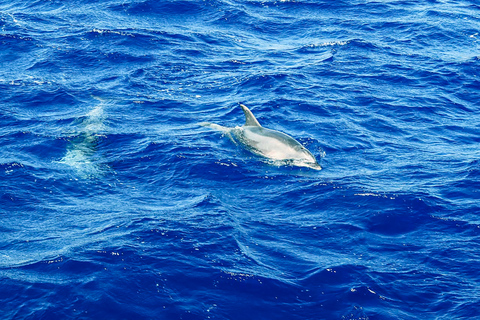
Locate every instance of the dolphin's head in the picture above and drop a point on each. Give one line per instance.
(307, 159)
(315, 166)
(307, 163)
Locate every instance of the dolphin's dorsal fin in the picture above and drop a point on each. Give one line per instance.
(250, 119)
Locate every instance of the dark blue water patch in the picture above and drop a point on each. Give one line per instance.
(143, 39)
(77, 303)
(88, 59)
(464, 136)
(299, 9)
(45, 149)
(36, 5)
(320, 284)
(29, 142)
(396, 222)
(190, 54)
(262, 82)
(214, 40)
(44, 97)
(168, 8)
(234, 16)
(133, 147)
(473, 170)
(14, 44)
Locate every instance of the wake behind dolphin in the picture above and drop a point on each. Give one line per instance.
(268, 143)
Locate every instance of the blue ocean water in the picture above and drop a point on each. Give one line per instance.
(116, 204)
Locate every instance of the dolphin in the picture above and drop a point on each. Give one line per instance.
(271, 144)
(82, 153)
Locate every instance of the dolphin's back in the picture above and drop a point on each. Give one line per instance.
(273, 144)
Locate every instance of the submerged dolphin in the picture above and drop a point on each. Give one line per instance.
(82, 153)
(269, 143)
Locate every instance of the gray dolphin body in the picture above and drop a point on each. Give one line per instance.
(269, 143)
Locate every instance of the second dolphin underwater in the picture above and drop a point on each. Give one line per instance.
(268, 143)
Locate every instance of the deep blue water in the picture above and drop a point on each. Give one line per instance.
(116, 204)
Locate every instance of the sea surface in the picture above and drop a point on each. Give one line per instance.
(115, 203)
